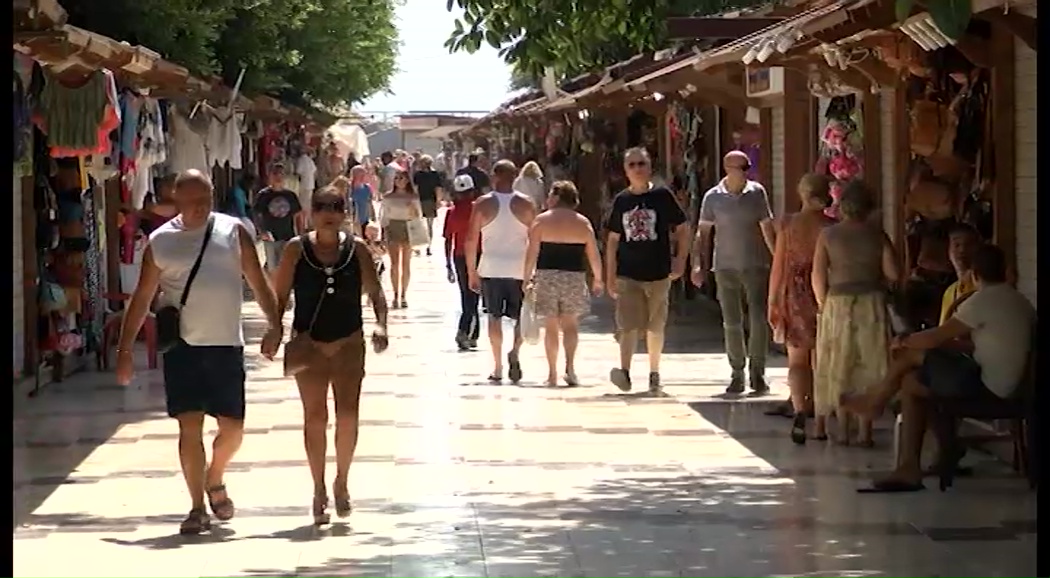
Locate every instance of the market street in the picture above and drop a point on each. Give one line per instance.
(455, 477)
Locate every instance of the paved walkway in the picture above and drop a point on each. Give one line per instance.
(455, 477)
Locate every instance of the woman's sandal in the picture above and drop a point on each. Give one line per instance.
(222, 508)
(570, 379)
(343, 507)
(320, 511)
(798, 429)
(196, 522)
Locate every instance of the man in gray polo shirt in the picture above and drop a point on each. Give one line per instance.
(736, 213)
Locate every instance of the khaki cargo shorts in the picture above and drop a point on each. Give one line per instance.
(642, 305)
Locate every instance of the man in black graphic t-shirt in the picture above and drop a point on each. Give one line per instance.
(644, 222)
(276, 211)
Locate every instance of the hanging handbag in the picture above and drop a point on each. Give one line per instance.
(300, 349)
(169, 317)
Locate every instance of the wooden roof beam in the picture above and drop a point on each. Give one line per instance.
(717, 28)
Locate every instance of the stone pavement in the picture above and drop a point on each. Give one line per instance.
(455, 477)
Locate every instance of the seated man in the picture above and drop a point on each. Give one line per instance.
(982, 350)
(962, 241)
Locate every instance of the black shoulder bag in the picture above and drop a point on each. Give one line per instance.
(169, 331)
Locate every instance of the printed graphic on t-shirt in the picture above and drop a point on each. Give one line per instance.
(639, 224)
(279, 208)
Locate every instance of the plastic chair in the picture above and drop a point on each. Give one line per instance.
(111, 332)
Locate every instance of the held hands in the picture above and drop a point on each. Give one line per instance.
(265, 236)
(698, 276)
(271, 342)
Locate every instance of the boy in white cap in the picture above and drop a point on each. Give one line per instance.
(457, 223)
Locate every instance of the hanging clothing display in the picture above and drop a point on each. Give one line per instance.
(78, 120)
(94, 308)
(188, 140)
(224, 139)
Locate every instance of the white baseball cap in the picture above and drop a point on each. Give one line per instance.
(463, 183)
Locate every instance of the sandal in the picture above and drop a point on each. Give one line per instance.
(222, 508)
(404, 303)
(495, 377)
(343, 507)
(570, 379)
(798, 429)
(320, 511)
(196, 522)
(514, 371)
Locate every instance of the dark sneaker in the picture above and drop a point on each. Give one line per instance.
(654, 382)
(462, 342)
(620, 378)
(736, 383)
(759, 385)
(472, 343)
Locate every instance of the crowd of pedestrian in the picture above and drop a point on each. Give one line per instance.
(516, 247)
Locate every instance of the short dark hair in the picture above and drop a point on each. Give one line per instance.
(472, 158)
(386, 157)
(989, 264)
(566, 194)
(856, 202)
(963, 229)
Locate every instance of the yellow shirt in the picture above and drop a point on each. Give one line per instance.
(960, 288)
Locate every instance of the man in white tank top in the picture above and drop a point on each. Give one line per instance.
(501, 220)
(204, 372)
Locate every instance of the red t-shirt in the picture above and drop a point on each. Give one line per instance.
(457, 223)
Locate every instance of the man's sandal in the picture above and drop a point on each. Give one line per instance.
(222, 508)
(196, 522)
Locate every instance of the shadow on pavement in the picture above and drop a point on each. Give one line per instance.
(721, 522)
(56, 430)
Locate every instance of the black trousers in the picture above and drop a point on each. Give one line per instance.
(469, 322)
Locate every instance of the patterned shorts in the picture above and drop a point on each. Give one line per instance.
(561, 293)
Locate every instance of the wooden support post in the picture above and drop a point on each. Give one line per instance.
(1004, 206)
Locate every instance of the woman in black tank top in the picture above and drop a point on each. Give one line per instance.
(330, 270)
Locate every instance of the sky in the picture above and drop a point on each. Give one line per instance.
(427, 79)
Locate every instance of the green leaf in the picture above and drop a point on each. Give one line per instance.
(951, 16)
(492, 39)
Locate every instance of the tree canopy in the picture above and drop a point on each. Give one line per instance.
(571, 37)
(328, 52)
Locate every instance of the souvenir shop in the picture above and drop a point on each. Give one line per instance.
(95, 159)
(63, 153)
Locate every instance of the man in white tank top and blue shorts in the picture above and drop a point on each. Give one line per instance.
(204, 370)
(500, 221)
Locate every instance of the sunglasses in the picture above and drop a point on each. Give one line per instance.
(330, 206)
(637, 164)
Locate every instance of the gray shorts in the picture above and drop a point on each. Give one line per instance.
(502, 297)
(273, 253)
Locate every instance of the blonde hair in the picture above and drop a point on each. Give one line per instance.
(531, 169)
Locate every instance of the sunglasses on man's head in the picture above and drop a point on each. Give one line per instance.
(330, 206)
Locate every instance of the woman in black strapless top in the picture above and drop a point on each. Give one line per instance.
(329, 270)
(561, 245)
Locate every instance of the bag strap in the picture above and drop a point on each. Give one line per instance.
(197, 264)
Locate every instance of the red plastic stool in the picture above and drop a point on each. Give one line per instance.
(111, 332)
